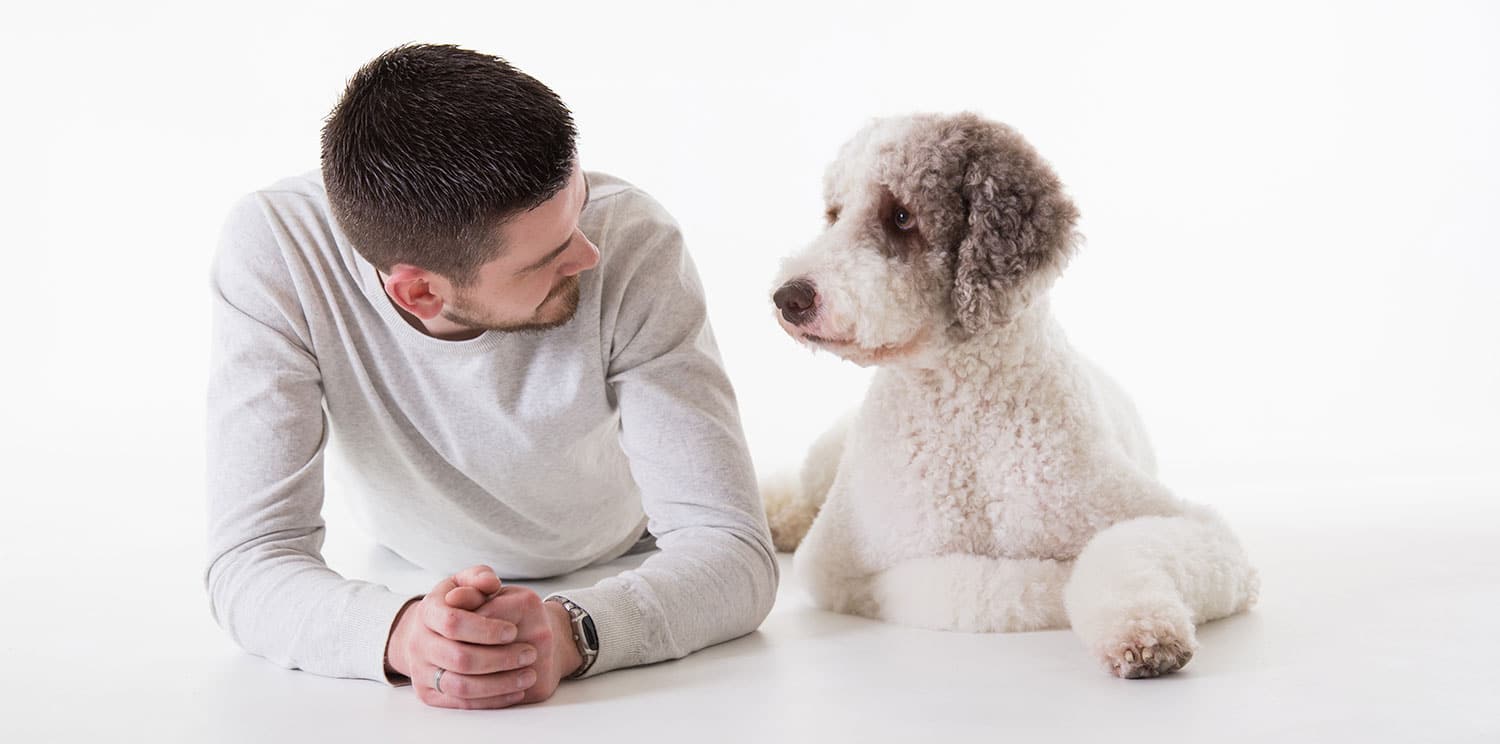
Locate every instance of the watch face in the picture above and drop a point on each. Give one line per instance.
(590, 636)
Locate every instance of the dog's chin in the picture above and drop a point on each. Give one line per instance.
(864, 356)
(842, 344)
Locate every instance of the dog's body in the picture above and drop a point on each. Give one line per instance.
(993, 479)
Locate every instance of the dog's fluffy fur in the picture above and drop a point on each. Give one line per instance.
(993, 479)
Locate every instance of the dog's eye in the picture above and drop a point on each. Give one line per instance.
(902, 219)
(832, 214)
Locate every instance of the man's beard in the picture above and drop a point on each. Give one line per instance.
(563, 301)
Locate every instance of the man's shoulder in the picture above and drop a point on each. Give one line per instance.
(300, 193)
(605, 186)
(294, 198)
(269, 229)
(628, 225)
(615, 203)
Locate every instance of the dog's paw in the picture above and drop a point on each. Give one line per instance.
(1149, 644)
(786, 514)
(1148, 658)
(787, 534)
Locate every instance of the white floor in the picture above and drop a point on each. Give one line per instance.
(1376, 624)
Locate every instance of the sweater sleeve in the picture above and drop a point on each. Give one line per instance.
(266, 580)
(716, 574)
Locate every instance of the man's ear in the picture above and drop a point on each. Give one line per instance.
(1019, 222)
(417, 291)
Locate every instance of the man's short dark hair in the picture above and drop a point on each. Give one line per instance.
(432, 147)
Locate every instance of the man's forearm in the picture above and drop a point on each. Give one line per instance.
(291, 609)
(706, 586)
(716, 575)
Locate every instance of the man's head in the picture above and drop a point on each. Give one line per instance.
(456, 176)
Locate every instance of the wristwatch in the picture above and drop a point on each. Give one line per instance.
(584, 634)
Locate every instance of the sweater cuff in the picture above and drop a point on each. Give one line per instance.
(370, 624)
(617, 619)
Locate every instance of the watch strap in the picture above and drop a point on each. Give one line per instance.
(585, 634)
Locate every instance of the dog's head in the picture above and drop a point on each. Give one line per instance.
(939, 227)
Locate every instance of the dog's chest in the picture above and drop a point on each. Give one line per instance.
(977, 470)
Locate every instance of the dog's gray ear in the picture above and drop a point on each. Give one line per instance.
(1019, 222)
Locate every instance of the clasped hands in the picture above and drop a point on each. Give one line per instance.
(497, 646)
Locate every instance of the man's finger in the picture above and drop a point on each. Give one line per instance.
(487, 686)
(440, 692)
(482, 578)
(442, 589)
(465, 598)
(513, 605)
(504, 701)
(458, 624)
(473, 659)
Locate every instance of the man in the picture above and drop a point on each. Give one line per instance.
(514, 361)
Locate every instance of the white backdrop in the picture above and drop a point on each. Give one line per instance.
(1290, 208)
(1291, 213)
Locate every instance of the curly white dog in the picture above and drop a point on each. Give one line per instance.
(993, 480)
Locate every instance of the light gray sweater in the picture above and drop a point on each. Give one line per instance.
(535, 453)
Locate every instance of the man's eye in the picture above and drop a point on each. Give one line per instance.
(902, 219)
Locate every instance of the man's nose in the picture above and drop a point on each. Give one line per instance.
(587, 260)
(796, 299)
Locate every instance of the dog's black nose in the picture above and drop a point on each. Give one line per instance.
(796, 299)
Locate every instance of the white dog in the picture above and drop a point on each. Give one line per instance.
(993, 480)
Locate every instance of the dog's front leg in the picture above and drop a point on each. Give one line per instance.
(833, 562)
(793, 501)
(1140, 586)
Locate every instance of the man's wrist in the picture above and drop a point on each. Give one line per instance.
(395, 660)
(565, 647)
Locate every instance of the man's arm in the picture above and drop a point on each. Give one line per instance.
(266, 579)
(716, 575)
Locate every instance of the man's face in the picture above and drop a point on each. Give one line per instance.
(533, 284)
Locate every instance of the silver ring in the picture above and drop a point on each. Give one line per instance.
(437, 680)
